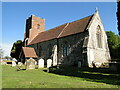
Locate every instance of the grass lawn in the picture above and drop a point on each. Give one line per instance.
(11, 78)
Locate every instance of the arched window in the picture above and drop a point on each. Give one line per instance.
(66, 49)
(38, 26)
(99, 37)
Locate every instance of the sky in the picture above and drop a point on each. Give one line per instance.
(14, 15)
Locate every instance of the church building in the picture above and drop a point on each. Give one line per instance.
(82, 42)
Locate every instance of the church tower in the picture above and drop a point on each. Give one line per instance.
(34, 25)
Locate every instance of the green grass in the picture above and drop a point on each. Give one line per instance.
(11, 78)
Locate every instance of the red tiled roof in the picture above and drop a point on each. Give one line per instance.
(29, 52)
(48, 35)
(63, 30)
(76, 27)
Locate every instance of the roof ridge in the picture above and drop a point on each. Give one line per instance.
(80, 19)
(55, 27)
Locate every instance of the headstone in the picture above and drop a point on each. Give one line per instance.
(25, 63)
(30, 64)
(49, 63)
(41, 63)
(3, 63)
(19, 66)
(98, 64)
(14, 59)
(19, 63)
(13, 63)
(55, 55)
(79, 64)
(35, 62)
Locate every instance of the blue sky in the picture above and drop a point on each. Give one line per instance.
(15, 14)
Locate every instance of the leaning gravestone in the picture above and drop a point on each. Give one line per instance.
(13, 63)
(30, 64)
(41, 63)
(19, 66)
(49, 63)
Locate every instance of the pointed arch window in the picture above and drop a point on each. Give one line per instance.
(66, 49)
(99, 37)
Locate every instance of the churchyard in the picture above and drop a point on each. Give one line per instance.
(64, 78)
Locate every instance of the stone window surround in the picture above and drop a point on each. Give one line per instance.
(66, 49)
(99, 37)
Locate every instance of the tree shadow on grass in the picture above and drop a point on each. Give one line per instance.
(95, 75)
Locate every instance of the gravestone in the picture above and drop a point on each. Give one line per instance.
(41, 63)
(98, 64)
(49, 63)
(19, 63)
(19, 66)
(3, 63)
(13, 63)
(25, 63)
(30, 64)
(14, 59)
(35, 62)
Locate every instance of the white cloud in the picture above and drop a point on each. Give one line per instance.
(6, 48)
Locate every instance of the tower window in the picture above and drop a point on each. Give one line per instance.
(38, 26)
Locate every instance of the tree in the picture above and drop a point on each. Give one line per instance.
(16, 49)
(114, 44)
